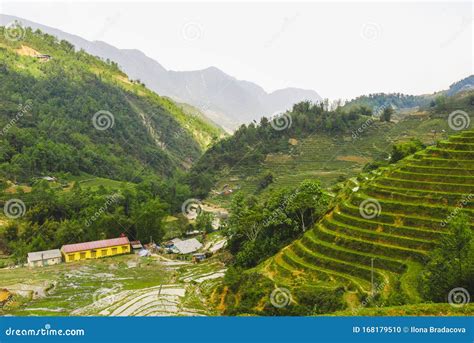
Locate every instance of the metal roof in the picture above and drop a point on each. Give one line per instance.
(136, 244)
(188, 246)
(43, 255)
(105, 243)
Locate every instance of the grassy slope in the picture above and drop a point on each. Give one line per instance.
(328, 158)
(184, 136)
(338, 251)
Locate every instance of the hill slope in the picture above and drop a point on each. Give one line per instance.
(329, 146)
(80, 114)
(377, 238)
(224, 99)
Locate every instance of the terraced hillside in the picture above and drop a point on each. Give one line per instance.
(377, 238)
(327, 157)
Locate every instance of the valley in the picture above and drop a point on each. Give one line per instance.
(358, 208)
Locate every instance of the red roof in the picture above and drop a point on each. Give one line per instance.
(105, 243)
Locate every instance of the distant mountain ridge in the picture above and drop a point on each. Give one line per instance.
(224, 99)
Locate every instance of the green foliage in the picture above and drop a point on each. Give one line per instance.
(387, 114)
(258, 227)
(452, 263)
(204, 222)
(250, 293)
(47, 109)
(379, 100)
(55, 217)
(266, 180)
(404, 149)
(148, 220)
(251, 143)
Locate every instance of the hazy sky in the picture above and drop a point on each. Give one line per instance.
(340, 50)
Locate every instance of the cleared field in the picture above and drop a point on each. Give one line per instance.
(119, 286)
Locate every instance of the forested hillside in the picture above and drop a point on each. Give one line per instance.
(311, 142)
(251, 143)
(66, 111)
(402, 101)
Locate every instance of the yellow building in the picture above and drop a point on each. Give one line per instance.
(95, 249)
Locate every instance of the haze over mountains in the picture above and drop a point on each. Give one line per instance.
(224, 99)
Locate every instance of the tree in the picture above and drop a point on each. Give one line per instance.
(308, 202)
(266, 181)
(204, 222)
(387, 114)
(402, 150)
(451, 264)
(148, 220)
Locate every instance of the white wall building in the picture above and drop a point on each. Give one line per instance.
(44, 258)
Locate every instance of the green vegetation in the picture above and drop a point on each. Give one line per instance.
(250, 144)
(452, 262)
(376, 240)
(47, 117)
(54, 217)
(120, 285)
(403, 101)
(258, 228)
(330, 146)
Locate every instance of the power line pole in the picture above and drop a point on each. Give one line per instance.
(372, 275)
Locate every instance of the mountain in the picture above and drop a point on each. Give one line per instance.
(63, 111)
(224, 99)
(405, 101)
